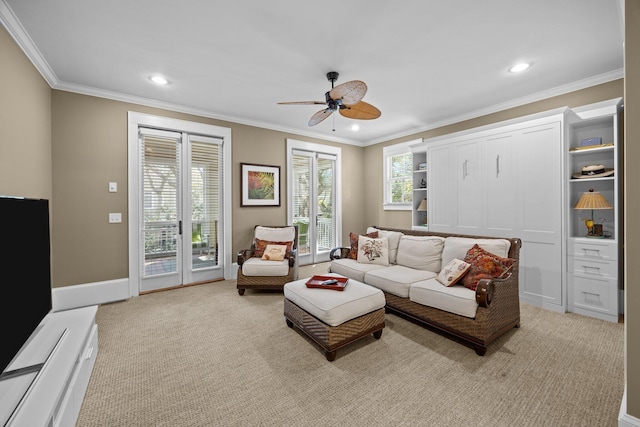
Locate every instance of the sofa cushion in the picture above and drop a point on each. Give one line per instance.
(396, 279)
(453, 272)
(333, 307)
(373, 251)
(353, 243)
(455, 299)
(259, 267)
(421, 252)
(394, 240)
(484, 265)
(457, 247)
(352, 269)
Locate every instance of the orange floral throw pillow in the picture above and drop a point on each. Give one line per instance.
(353, 240)
(261, 245)
(484, 265)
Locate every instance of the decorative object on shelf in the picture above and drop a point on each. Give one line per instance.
(593, 200)
(422, 166)
(423, 208)
(593, 171)
(591, 141)
(423, 183)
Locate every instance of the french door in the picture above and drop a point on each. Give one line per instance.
(313, 200)
(180, 199)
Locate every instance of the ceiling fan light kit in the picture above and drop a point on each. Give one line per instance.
(346, 98)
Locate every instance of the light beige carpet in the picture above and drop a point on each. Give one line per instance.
(205, 356)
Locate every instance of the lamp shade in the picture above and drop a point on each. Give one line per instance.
(423, 206)
(592, 200)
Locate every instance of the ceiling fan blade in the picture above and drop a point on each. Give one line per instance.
(320, 116)
(361, 111)
(302, 103)
(349, 92)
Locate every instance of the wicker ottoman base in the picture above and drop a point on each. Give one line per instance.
(331, 338)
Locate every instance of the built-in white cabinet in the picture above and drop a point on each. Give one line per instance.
(505, 180)
(67, 344)
(594, 250)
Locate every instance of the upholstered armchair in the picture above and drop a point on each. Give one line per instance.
(272, 260)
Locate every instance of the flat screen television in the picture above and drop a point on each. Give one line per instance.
(25, 263)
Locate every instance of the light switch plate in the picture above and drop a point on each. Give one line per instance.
(115, 218)
(113, 187)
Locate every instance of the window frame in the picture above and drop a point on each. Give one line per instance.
(387, 153)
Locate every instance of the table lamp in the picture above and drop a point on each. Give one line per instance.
(593, 200)
(423, 208)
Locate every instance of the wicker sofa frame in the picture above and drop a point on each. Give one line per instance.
(498, 302)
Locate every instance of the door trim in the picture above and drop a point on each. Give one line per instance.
(293, 144)
(136, 120)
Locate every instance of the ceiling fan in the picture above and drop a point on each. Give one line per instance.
(345, 98)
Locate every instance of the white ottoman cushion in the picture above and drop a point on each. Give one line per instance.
(259, 267)
(455, 299)
(335, 307)
(397, 279)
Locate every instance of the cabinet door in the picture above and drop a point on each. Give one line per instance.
(501, 183)
(441, 186)
(540, 206)
(469, 192)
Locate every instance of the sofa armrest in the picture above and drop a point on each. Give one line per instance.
(244, 255)
(486, 287)
(338, 253)
(484, 292)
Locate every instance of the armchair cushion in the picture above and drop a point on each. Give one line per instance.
(259, 267)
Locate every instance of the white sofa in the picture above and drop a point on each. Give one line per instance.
(409, 282)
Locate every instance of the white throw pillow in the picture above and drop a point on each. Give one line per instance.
(274, 252)
(373, 251)
(453, 272)
(421, 252)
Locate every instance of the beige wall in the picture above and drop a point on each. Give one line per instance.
(632, 204)
(25, 121)
(89, 139)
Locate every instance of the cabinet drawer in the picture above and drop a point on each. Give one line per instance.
(597, 249)
(591, 268)
(594, 294)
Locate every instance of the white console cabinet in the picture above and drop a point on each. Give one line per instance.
(67, 343)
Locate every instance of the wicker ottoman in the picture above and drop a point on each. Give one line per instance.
(332, 318)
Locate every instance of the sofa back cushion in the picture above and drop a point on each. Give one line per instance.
(457, 247)
(394, 240)
(421, 252)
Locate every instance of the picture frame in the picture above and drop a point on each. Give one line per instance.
(260, 185)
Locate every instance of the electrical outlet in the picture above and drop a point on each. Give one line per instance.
(115, 218)
(113, 187)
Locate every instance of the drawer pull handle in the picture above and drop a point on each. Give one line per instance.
(595, 252)
(89, 353)
(591, 295)
(593, 269)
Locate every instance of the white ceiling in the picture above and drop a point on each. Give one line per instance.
(427, 63)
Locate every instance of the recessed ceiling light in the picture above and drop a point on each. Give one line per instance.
(355, 127)
(519, 67)
(159, 80)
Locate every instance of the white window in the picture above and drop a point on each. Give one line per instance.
(398, 176)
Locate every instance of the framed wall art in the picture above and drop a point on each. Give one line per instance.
(260, 185)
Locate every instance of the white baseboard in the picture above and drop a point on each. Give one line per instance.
(68, 297)
(624, 419)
